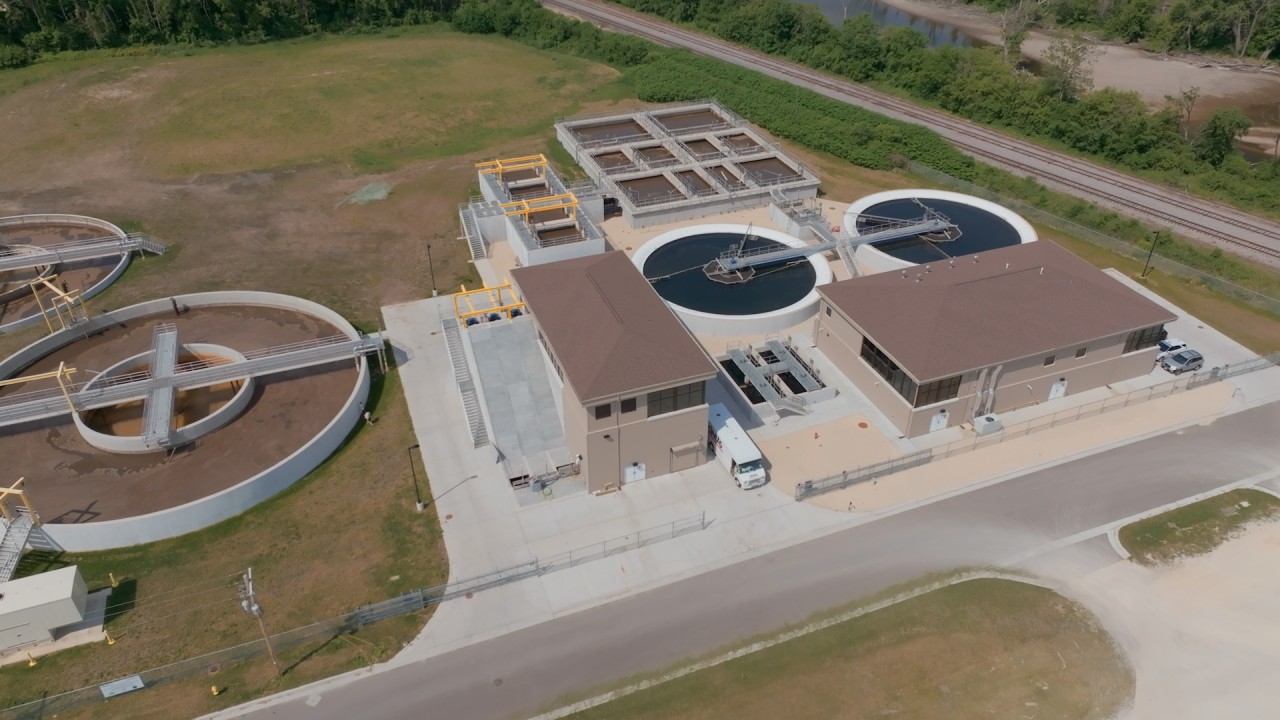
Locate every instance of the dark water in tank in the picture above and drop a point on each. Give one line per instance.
(938, 33)
(980, 230)
(772, 288)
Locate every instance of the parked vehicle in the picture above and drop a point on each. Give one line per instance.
(734, 448)
(1182, 361)
(1168, 347)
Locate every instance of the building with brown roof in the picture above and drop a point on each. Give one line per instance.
(634, 379)
(940, 344)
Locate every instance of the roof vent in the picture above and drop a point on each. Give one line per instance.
(928, 269)
(1041, 269)
(951, 264)
(904, 273)
(975, 258)
(1006, 266)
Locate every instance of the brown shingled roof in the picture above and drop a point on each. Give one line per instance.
(1011, 303)
(610, 331)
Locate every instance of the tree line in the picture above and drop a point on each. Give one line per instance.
(983, 85)
(30, 28)
(1240, 27)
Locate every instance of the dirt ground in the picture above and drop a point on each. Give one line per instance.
(1151, 75)
(71, 482)
(1201, 634)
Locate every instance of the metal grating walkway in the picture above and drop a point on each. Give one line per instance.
(81, 250)
(138, 386)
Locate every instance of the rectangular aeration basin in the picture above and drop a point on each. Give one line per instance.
(703, 149)
(655, 153)
(741, 143)
(675, 122)
(530, 191)
(725, 177)
(650, 190)
(693, 181)
(611, 132)
(768, 170)
(612, 161)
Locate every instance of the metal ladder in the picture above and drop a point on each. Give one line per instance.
(14, 542)
(466, 385)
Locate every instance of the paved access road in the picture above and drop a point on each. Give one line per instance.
(1250, 236)
(993, 525)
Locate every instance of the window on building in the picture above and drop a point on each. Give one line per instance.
(628, 405)
(1142, 339)
(938, 391)
(1050, 360)
(676, 398)
(888, 370)
(1081, 351)
(604, 411)
(550, 355)
(828, 311)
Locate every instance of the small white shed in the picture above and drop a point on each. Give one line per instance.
(31, 608)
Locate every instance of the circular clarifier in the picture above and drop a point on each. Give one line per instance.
(983, 226)
(776, 297)
(676, 272)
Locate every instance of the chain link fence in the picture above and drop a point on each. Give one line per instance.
(1128, 249)
(408, 602)
(844, 479)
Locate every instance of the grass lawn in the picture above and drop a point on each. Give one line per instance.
(978, 649)
(346, 535)
(1197, 528)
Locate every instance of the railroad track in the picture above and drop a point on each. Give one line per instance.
(1199, 218)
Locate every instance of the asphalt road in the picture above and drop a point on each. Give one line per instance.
(993, 525)
(1251, 236)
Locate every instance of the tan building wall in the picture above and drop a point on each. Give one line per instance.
(1021, 382)
(664, 444)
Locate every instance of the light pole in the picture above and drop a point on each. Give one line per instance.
(417, 495)
(249, 601)
(1155, 237)
(432, 267)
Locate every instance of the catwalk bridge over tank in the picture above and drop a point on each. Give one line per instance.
(156, 386)
(91, 249)
(739, 265)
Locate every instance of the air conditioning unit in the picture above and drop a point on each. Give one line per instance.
(987, 425)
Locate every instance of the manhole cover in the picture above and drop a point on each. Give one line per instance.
(449, 516)
(497, 682)
(470, 595)
(862, 425)
(213, 669)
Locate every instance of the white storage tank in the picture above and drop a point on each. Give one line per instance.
(31, 608)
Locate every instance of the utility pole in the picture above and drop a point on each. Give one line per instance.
(432, 267)
(1155, 238)
(249, 601)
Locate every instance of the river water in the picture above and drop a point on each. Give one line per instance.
(938, 33)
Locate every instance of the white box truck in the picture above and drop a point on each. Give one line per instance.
(734, 448)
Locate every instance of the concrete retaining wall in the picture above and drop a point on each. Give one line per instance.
(234, 500)
(74, 221)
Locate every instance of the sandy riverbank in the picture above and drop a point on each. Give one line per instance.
(1127, 67)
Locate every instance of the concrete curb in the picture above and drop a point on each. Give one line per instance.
(1113, 537)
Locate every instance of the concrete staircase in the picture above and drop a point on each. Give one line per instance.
(466, 384)
(471, 232)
